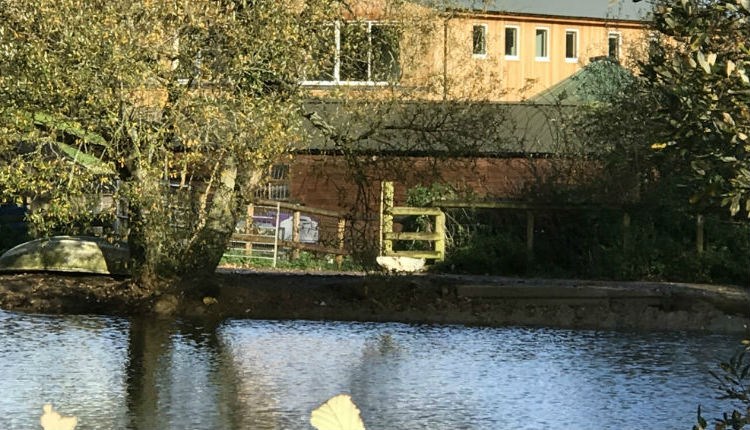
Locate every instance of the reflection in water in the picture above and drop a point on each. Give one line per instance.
(115, 373)
(74, 363)
(180, 377)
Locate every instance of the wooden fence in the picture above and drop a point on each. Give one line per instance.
(270, 227)
(530, 209)
(435, 237)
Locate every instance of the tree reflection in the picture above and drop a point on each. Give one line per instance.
(183, 374)
(149, 342)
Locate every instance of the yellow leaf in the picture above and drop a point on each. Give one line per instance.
(711, 58)
(727, 118)
(730, 67)
(51, 420)
(703, 62)
(338, 413)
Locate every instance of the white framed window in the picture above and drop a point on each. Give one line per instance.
(541, 44)
(356, 53)
(512, 33)
(277, 184)
(571, 46)
(479, 40)
(614, 42)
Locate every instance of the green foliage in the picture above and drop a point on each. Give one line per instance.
(589, 244)
(421, 196)
(732, 383)
(310, 261)
(498, 254)
(699, 78)
(458, 221)
(174, 107)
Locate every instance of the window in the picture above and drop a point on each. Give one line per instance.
(614, 46)
(542, 44)
(277, 183)
(325, 54)
(356, 52)
(479, 40)
(511, 43)
(571, 46)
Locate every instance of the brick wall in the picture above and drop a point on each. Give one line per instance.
(353, 184)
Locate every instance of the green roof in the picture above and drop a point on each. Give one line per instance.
(452, 129)
(595, 82)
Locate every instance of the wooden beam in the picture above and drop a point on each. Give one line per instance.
(518, 205)
(418, 235)
(404, 210)
(302, 208)
(430, 255)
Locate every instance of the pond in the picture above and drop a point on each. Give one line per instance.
(118, 373)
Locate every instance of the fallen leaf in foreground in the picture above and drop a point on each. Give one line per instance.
(51, 420)
(338, 413)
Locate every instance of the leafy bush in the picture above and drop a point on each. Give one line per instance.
(306, 261)
(733, 386)
(659, 245)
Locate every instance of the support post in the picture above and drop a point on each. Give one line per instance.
(295, 234)
(440, 230)
(626, 231)
(699, 238)
(276, 236)
(340, 234)
(249, 228)
(387, 217)
(530, 236)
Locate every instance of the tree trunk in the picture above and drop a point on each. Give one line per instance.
(206, 246)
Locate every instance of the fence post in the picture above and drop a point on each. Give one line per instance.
(625, 231)
(440, 230)
(276, 235)
(529, 235)
(295, 235)
(249, 228)
(387, 217)
(699, 239)
(340, 234)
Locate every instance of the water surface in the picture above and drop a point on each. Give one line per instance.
(116, 373)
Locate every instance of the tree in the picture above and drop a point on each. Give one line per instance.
(698, 72)
(177, 107)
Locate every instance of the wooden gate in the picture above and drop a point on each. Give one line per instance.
(436, 235)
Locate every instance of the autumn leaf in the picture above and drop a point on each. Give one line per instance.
(338, 413)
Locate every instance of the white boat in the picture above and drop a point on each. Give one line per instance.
(78, 254)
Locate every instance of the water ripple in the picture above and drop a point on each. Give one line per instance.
(118, 373)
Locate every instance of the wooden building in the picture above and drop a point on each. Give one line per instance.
(494, 50)
(485, 67)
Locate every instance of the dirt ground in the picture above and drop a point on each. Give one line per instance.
(427, 298)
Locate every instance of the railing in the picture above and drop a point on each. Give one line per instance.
(256, 235)
(271, 227)
(435, 237)
(531, 209)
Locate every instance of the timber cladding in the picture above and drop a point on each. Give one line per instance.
(494, 54)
